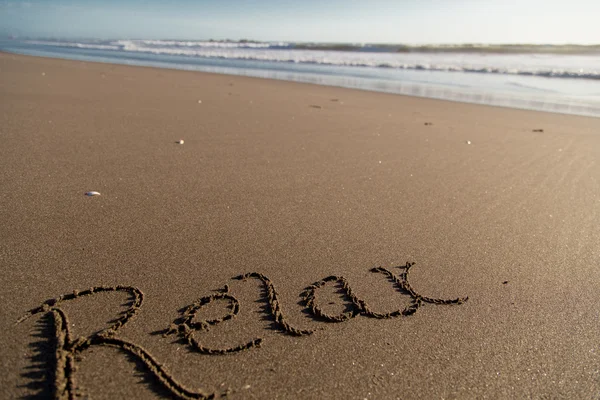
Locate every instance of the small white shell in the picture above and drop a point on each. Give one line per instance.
(468, 142)
(180, 141)
(92, 193)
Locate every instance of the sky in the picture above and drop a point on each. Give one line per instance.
(353, 21)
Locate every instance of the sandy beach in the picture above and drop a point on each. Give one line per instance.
(295, 183)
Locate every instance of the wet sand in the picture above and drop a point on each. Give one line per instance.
(295, 183)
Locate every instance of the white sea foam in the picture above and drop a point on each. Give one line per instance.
(198, 44)
(77, 45)
(532, 64)
(512, 76)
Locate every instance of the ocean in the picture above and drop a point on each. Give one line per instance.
(552, 78)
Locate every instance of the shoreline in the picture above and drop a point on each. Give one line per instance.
(562, 105)
(290, 208)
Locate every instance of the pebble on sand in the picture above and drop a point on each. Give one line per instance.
(92, 193)
(199, 101)
(468, 142)
(180, 141)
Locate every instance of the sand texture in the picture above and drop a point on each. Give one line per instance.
(270, 255)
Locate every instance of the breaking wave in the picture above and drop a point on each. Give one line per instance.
(546, 61)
